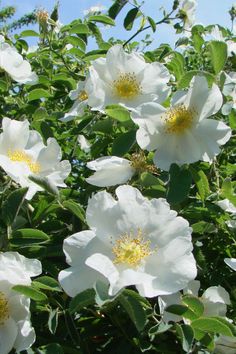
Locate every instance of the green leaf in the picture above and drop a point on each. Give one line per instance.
(30, 292)
(123, 143)
(80, 29)
(186, 335)
(28, 236)
(177, 309)
(134, 309)
(117, 112)
(232, 119)
(3, 85)
(184, 81)
(53, 321)
(152, 23)
(102, 19)
(194, 305)
(76, 42)
(179, 184)
(213, 325)
(29, 33)
(176, 64)
(227, 191)
(130, 17)
(116, 8)
(86, 298)
(36, 94)
(12, 205)
(47, 283)
(75, 209)
(201, 182)
(218, 55)
(52, 348)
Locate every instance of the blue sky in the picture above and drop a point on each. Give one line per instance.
(208, 12)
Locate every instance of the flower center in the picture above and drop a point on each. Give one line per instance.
(131, 250)
(83, 95)
(21, 156)
(4, 308)
(179, 119)
(127, 86)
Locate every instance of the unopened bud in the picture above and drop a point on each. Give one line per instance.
(42, 16)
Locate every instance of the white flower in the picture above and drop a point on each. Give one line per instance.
(23, 153)
(14, 64)
(83, 143)
(226, 205)
(125, 79)
(225, 345)
(131, 241)
(229, 90)
(94, 9)
(110, 171)
(188, 10)
(215, 300)
(15, 326)
(80, 97)
(182, 134)
(231, 262)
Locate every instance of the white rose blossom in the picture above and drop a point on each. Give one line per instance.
(125, 79)
(131, 241)
(110, 171)
(16, 330)
(80, 96)
(188, 10)
(215, 300)
(227, 206)
(182, 133)
(23, 153)
(229, 90)
(14, 64)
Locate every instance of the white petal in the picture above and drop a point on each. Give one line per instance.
(15, 135)
(74, 280)
(226, 205)
(211, 134)
(74, 246)
(204, 101)
(25, 337)
(167, 300)
(110, 170)
(217, 294)
(231, 262)
(8, 333)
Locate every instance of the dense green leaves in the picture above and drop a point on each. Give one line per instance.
(12, 205)
(179, 184)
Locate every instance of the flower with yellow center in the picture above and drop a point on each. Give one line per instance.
(131, 241)
(125, 79)
(16, 330)
(183, 133)
(23, 153)
(80, 98)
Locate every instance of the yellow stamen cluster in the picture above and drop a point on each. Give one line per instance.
(126, 86)
(21, 156)
(131, 250)
(83, 95)
(139, 163)
(4, 308)
(179, 119)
